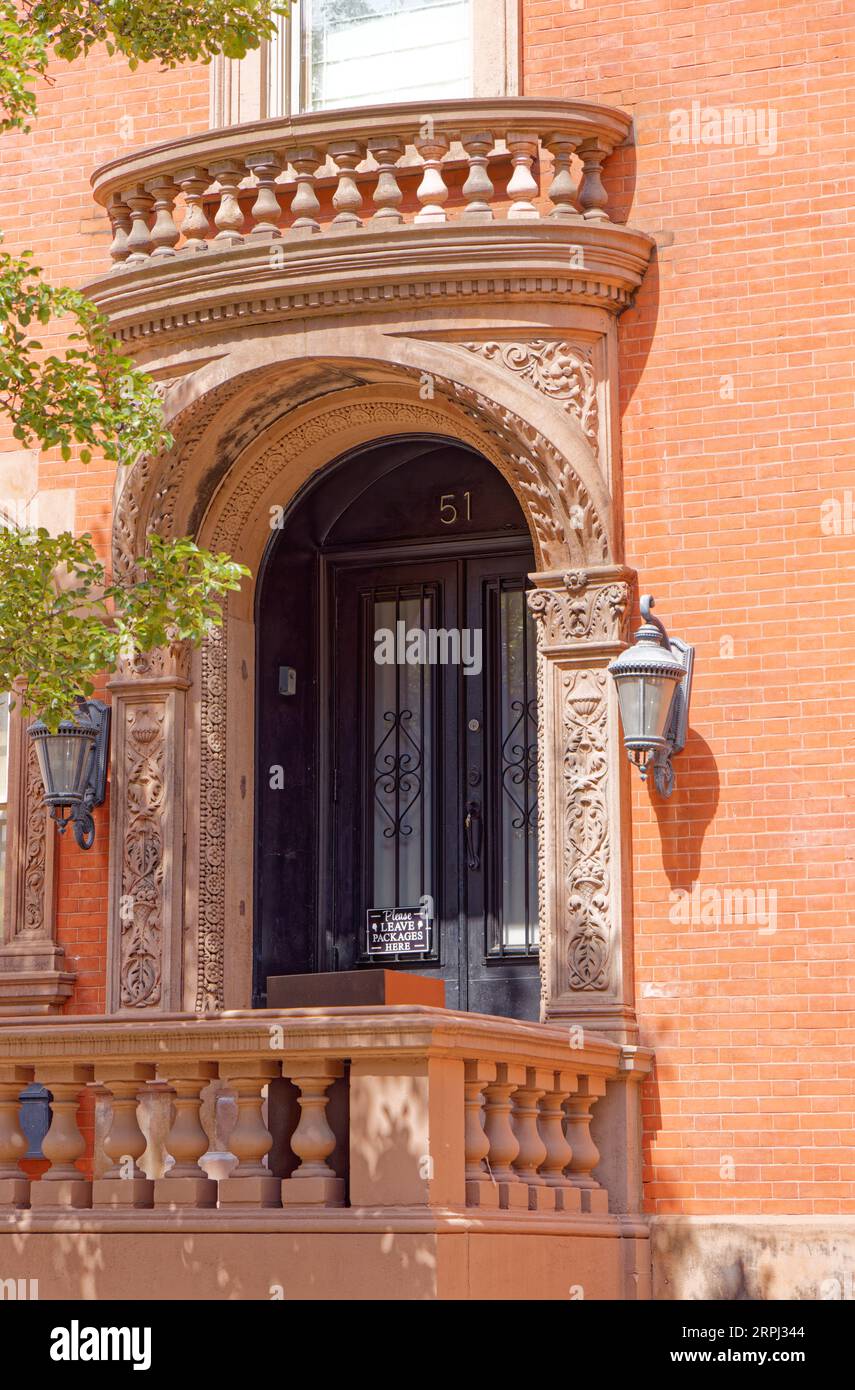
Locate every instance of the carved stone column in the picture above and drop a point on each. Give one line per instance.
(585, 903)
(146, 909)
(34, 978)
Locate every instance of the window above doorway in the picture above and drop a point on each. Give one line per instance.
(337, 54)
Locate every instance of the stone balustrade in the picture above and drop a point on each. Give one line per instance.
(376, 168)
(344, 1110)
(363, 209)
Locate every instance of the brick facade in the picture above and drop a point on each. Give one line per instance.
(736, 403)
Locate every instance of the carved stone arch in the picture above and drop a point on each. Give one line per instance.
(250, 429)
(562, 492)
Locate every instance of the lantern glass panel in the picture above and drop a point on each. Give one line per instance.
(64, 759)
(644, 705)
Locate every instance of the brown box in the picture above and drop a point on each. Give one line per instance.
(353, 987)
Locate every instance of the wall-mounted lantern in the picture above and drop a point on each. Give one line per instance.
(73, 764)
(654, 685)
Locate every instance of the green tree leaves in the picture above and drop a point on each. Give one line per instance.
(61, 624)
(173, 31)
(88, 394)
(23, 58)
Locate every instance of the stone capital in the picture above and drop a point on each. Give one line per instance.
(583, 610)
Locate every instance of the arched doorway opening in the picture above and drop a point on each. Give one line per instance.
(396, 724)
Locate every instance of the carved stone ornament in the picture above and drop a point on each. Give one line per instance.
(584, 707)
(33, 924)
(141, 905)
(578, 613)
(561, 511)
(160, 662)
(560, 370)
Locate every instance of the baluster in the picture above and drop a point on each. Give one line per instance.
(250, 1182)
(478, 187)
(387, 150)
(120, 221)
(562, 190)
(481, 1189)
(304, 204)
(558, 1152)
(532, 1150)
(164, 232)
(504, 1145)
(265, 211)
(347, 199)
(522, 186)
(63, 1185)
(592, 194)
(586, 1155)
(124, 1184)
(432, 192)
(14, 1184)
(139, 238)
(195, 227)
(314, 1181)
(186, 1184)
(228, 217)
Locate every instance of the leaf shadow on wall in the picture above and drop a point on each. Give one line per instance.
(685, 816)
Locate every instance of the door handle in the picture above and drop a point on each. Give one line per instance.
(472, 829)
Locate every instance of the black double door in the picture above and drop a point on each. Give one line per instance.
(433, 770)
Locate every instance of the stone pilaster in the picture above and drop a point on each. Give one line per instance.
(34, 978)
(585, 903)
(146, 909)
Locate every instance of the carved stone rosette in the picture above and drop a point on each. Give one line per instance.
(585, 931)
(147, 829)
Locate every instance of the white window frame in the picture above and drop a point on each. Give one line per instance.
(267, 83)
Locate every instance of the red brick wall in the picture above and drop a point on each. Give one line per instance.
(737, 412)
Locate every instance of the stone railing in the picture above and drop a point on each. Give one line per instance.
(346, 170)
(363, 1110)
(359, 209)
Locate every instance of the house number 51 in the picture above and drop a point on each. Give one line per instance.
(448, 513)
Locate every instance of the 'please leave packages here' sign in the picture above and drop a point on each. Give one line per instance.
(397, 931)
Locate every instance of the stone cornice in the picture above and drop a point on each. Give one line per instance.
(369, 271)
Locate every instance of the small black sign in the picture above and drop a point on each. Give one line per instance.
(397, 931)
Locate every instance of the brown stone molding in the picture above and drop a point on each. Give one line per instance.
(567, 521)
(264, 297)
(33, 974)
(579, 610)
(586, 943)
(147, 831)
(556, 368)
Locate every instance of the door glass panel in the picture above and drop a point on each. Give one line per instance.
(401, 753)
(367, 52)
(517, 770)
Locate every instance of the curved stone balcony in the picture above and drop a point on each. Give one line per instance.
(363, 210)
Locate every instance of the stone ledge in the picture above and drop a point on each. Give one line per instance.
(367, 270)
(753, 1257)
(26, 992)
